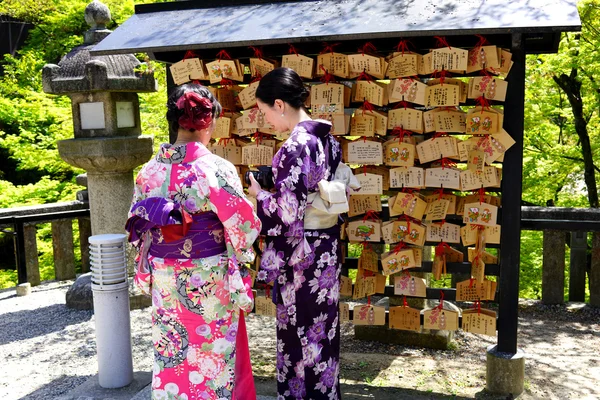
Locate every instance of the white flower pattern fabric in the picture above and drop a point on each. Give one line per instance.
(305, 264)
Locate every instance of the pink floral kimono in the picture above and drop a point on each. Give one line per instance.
(195, 271)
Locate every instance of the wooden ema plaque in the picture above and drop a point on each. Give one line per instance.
(480, 214)
(370, 183)
(494, 146)
(365, 152)
(447, 178)
(406, 118)
(407, 177)
(446, 232)
(304, 66)
(486, 257)
(369, 260)
(334, 63)
(344, 312)
(437, 209)
(257, 154)
(415, 235)
(399, 154)
(443, 320)
(369, 315)
(475, 290)
(481, 321)
(345, 286)
(482, 122)
(410, 90)
(393, 261)
(437, 148)
(360, 204)
(451, 59)
(409, 204)
(409, 285)
(264, 306)
(361, 231)
(450, 121)
(327, 98)
(403, 65)
(405, 318)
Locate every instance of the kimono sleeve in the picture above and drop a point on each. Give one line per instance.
(241, 223)
(282, 212)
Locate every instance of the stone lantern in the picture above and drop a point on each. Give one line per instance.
(106, 120)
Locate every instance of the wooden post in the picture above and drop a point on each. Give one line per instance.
(553, 267)
(20, 252)
(85, 231)
(62, 243)
(32, 264)
(512, 186)
(595, 272)
(578, 267)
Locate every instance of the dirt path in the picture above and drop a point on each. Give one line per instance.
(47, 349)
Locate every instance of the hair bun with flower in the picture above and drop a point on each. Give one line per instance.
(197, 111)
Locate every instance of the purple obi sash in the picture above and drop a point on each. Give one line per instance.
(173, 232)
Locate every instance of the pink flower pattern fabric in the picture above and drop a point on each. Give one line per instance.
(196, 302)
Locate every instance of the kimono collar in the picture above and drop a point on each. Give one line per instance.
(317, 127)
(183, 153)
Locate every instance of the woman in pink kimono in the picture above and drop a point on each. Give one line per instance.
(194, 229)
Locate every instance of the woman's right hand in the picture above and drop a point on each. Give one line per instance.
(254, 188)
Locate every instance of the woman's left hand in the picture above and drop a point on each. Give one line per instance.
(254, 188)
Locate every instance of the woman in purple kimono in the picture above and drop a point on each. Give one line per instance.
(302, 249)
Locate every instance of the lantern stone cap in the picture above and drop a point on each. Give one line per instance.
(79, 71)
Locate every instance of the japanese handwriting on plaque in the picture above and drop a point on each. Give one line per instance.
(406, 118)
(380, 121)
(372, 65)
(248, 96)
(403, 65)
(257, 155)
(334, 63)
(344, 312)
(448, 178)
(444, 320)
(436, 148)
(470, 290)
(450, 121)
(450, 59)
(327, 98)
(304, 66)
(345, 286)
(405, 318)
(480, 214)
(373, 92)
(409, 177)
(468, 235)
(369, 260)
(409, 285)
(186, 70)
(265, 306)
(362, 125)
(369, 315)
(365, 152)
(446, 232)
(442, 95)
(370, 183)
(360, 204)
(479, 321)
(261, 67)
(437, 209)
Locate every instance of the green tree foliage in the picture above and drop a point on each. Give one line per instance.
(31, 122)
(555, 150)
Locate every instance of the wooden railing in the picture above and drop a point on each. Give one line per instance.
(561, 226)
(22, 223)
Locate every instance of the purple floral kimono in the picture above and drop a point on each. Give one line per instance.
(305, 266)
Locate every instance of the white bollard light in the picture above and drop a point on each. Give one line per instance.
(111, 309)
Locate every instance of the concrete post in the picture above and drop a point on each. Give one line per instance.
(553, 268)
(595, 272)
(505, 372)
(578, 267)
(31, 255)
(62, 244)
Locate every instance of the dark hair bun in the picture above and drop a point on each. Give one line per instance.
(284, 84)
(175, 112)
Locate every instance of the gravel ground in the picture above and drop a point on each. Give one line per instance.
(47, 349)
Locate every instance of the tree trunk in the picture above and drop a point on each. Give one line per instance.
(572, 87)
